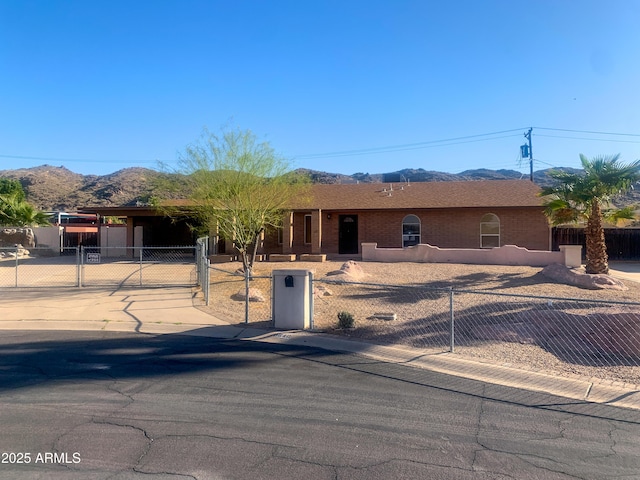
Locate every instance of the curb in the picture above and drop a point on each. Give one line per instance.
(597, 392)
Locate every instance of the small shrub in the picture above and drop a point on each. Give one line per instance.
(345, 320)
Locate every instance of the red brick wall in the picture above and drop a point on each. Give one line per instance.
(270, 243)
(298, 234)
(459, 228)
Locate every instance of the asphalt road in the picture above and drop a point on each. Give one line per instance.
(104, 405)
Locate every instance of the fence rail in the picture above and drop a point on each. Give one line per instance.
(97, 266)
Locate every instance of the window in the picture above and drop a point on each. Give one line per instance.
(489, 231)
(410, 231)
(307, 229)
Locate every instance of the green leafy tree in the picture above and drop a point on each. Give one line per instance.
(15, 212)
(236, 186)
(9, 186)
(587, 196)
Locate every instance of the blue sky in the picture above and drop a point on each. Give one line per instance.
(342, 86)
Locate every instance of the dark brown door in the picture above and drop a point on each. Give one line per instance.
(348, 233)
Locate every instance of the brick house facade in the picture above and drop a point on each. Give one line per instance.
(337, 219)
(473, 214)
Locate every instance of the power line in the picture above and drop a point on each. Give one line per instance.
(589, 132)
(546, 163)
(611, 140)
(338, 154)
(482, 137)
(412, 146)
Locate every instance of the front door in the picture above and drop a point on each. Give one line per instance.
(348, 234)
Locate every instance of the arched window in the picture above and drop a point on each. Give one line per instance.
(410, 231)
(489, 231)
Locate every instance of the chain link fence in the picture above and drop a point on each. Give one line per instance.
(379, 310)
(564, 336)
(39, 267)
(237, 298)
(599, 339)
(98, 266)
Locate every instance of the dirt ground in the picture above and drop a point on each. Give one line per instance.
(508, 279)
(491, 325)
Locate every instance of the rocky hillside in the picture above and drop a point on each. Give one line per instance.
(52, 188)
(57, 188)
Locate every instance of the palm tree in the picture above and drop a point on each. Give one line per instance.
(15, 212)
(588, 196)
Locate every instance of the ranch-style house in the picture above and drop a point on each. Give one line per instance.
(337, 219)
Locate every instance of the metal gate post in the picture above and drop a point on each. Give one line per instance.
(246, 295)
(311, 311)
(78, 278)
(16, 266)
(452, 338)
(81, 266)
(141, 267)
(207, 280)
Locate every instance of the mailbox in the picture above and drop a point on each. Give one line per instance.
(292, 302)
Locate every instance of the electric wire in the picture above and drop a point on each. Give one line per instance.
(409, 145)
(482, 137)
(589, 132)
(609, 140)
(398, 148)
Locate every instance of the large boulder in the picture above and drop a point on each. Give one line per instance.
(572, 276)
(10, 237)
(350, 271)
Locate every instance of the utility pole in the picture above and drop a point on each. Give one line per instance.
(526, 151)
(528, 137)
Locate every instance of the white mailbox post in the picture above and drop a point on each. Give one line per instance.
(292, 299)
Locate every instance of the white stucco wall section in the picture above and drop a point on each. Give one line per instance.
(569, 255)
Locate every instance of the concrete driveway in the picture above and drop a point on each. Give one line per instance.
(625, 270)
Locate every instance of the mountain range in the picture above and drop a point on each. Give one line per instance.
(51, 188)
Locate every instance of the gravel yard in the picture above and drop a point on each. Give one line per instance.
(492, 323)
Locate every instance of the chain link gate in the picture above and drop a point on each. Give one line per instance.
(98, 266)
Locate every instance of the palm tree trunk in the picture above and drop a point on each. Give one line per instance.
(597, 258)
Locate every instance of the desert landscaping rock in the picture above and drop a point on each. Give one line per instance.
(23, 237)
(321, 291)
(349, 271)
(255, 295)
(389, 316)
(17, 251)
(570, 276)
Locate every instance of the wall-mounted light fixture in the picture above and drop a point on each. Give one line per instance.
(328, 216)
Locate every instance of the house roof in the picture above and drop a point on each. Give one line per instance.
(384, 196)
(389, 196)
